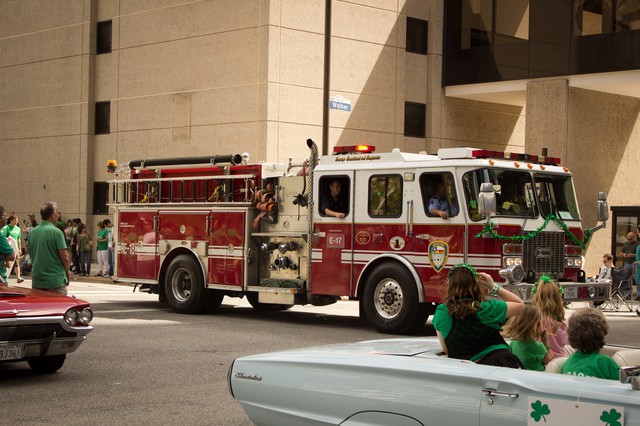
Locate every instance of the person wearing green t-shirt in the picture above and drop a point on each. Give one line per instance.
(587, 329)
(6, 252)
(468, 324)
(49, 254)
(103, 254)
(14, 235)
(524, 329)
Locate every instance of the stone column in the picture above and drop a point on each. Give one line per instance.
(547, 117)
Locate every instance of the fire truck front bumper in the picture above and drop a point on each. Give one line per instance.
(572, 291)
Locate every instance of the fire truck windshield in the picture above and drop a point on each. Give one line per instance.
(519, 194)
(556, 196)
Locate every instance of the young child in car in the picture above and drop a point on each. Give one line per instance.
(525, 330)
(547, 296)
(587, 328)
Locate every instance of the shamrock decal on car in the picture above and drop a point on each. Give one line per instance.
(610, 418)
(539, 411)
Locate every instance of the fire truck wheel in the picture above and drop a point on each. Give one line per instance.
(253, 300)
(390, 301)
(184, 286)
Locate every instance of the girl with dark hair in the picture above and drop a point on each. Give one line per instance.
(468, 324)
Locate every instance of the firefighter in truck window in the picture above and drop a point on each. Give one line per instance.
(333, 202)
(439, 193)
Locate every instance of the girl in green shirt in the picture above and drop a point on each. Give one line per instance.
(524, 330)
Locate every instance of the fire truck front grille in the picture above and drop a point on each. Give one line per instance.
(544, 253)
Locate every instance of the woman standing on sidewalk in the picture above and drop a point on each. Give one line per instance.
(103, 246)
(84, 249)
(13, 232)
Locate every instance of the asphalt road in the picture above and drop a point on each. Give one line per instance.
(144, 364)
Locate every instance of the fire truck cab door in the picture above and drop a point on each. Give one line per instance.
(437, 239)
(332, 256)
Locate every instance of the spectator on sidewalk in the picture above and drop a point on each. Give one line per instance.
(110, 252)
(84, 250)
(14, 236)
(6, 252)
(49, 254)
(103, 246)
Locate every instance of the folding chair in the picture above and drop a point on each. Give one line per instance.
(620, 289)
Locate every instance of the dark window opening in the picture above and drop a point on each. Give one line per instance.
(417, 36)
(415, 119)
(100, 197)
(103, 118)
(334, 195)
(103, 38)
(385, 196)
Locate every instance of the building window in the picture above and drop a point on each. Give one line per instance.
(103, 118)
(103, 38)
(415, 119)
(417, 35)
(100, 197)
(385, 196)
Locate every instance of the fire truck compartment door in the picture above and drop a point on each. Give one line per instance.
(226, 247)
(136, 252)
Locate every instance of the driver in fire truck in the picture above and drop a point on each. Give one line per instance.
(332, 204)
(509, 201)
(438, 204)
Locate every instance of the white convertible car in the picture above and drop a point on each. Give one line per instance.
(407, 382)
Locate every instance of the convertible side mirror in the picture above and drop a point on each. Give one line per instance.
(631, 374)
(486, 200)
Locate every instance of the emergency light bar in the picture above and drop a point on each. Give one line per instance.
(353, 149)
(453, 153)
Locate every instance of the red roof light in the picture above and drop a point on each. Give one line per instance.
(348, 149)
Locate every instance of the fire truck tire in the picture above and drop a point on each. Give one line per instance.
(265, 307)
(390, 301)
(184, 286)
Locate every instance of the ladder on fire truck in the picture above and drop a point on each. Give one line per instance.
(169, 182)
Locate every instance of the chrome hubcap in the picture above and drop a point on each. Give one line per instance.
(388, 298)
(181, 285)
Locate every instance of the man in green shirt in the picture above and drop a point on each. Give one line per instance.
(6, 252)
(49, 254)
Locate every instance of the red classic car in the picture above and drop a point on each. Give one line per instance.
(40, 327)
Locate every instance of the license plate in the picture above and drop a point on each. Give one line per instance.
(10, 352)
(570, 292)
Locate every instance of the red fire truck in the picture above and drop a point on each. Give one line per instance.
(194, 230)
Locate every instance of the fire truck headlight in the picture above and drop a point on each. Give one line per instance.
(514, 274)
(511, 261)
(573, 262)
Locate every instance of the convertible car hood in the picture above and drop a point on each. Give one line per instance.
(25, 302)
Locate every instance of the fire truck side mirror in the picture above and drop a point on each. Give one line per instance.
(603, 207)
(486, 200)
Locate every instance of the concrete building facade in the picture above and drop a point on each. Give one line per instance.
(85, 81)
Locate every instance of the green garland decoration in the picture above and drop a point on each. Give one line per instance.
(488, 230)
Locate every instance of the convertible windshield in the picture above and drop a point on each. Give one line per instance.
(556, 196)
(514, 189)
(520, 194)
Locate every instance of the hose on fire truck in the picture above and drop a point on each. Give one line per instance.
(267, 205)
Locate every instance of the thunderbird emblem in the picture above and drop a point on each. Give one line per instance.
(438, 253)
